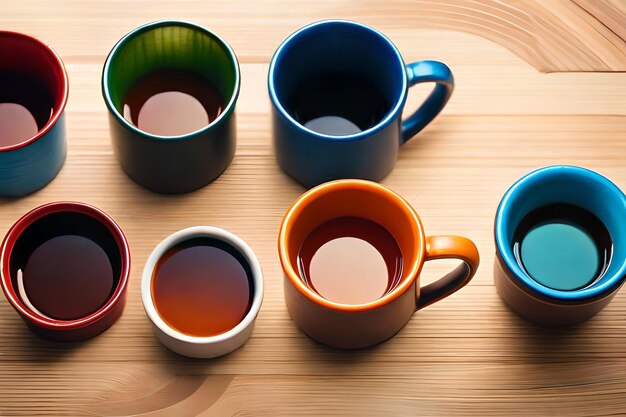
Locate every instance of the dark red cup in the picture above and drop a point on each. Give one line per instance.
(58, 219)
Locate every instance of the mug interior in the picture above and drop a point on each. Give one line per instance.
(169, 45)
(28, 56)
(338, 47)
(353, 198)
(570, 185)
(59, 219)
(237, 248)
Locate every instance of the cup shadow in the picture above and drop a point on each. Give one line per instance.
(21, 344)
(538, 344)
(176, 364)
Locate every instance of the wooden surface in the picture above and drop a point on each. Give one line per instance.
(520, 103)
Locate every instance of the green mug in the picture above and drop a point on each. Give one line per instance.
(181, 163)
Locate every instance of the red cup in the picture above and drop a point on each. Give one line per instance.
(13, 255)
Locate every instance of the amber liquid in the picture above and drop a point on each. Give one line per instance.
(202, 287)
(25, 107)
(350, 260)
(172, 102)
(68, 277)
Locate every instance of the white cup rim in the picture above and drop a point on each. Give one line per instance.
(190, 233)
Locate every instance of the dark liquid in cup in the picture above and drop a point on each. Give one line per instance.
(70, 264)
(172, 102)
(563, 246)
(25, 107)
(202, 287)
(337, 104)
(350, 260)
(68, 277)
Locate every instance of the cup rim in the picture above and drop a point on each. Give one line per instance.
(389, 117)
(62, 89)
(503, 215)
(28, 219)
(156, 24)
(181, 236)
(305, 199)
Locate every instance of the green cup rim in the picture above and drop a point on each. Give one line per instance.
(147, 27)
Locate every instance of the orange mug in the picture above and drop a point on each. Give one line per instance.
(352, 326)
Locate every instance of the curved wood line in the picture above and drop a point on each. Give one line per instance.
(547, 35)
(182, 395)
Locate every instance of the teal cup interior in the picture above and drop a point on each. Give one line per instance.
(569, 185)
(171, 45)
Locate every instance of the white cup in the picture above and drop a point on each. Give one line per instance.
(211, 346)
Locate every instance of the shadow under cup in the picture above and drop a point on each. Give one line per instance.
(567, 185)
(53, 221)
(172, 164)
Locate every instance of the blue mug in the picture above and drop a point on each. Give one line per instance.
(540, 301)
(364, 55)
(30, 157)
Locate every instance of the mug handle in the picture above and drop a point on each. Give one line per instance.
(446, 247)
(424, 72)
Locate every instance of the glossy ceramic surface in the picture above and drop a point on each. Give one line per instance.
(362, 325)
(202, 347)
(30, 165)
(66, 330)
(172, 164)
(349, 47)
(559, 184)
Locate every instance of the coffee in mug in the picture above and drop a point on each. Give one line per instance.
(202, 287)
(350, 260)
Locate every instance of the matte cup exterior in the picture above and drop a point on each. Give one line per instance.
(193, 346)
(338, 46)
(549, 185)
(358, 326)
(66, 330)
(30, 165)
(172, 164)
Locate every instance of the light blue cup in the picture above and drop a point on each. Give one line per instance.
(549, 185)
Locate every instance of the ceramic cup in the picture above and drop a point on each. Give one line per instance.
(172, 164)
(29, 165)
(362, 325)
(50, 221)
(202, 347)
(559, 184)
(337, 46)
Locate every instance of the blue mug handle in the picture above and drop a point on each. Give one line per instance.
(424, 72)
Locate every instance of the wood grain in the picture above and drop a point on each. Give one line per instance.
(467, 355)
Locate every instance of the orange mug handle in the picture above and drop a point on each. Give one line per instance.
(446, 247)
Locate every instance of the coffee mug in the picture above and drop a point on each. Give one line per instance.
(338, 89)
(176, 163)
(64, 268)
(32, 118)
(206, 259)
(361, 325)
(574, 262)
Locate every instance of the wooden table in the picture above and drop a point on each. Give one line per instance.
(538, 83)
